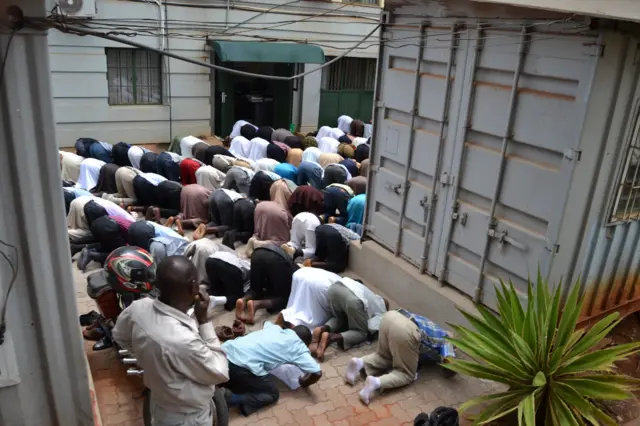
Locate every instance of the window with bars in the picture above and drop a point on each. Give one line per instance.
(350, 74)
(134, 77)
(626, 206)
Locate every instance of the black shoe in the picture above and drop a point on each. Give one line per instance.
(88, 318)
(84, 259)
(421, 419)
(104, 343)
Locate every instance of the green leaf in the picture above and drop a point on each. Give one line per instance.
(524, 352)
(560, 412)
(598, 332)
(497, 410)
(596, 389)
(479, 349)
(626, 382)
(552, 323)
(527, 411)
(481, 371)
(601, 360)
(566, 327)
(494, 398)
(539, 380)
(487, 330)
(573, 398)
(503, 307)
(517, 313)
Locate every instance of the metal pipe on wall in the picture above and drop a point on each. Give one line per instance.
(412, 137)
(441, 140)
(442, 274)
(522, 51)
(384, 19)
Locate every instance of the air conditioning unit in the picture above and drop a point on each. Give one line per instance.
(78, 8)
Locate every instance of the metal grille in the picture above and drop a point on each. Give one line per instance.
(367, 1)
(627, 201)
(350, 74)
(134, 76)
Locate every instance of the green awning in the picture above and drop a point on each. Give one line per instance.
(251, 51)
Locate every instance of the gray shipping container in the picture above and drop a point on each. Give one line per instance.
(505, 142)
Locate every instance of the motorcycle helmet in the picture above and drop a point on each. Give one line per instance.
(131, 270)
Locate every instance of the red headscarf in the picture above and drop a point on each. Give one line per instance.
(188, 169)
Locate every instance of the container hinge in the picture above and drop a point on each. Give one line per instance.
(379, 104)
(374, 168)
(572, 154)
(446, 179)
(424, 202)
(593, 49)
(551, 246)
(429, 238)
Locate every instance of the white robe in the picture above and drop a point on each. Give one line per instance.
(266, 164)
(308, 302)
(236, 128)
(240, 147)
(77, 225)
(70, 163)
(258, 149)
(303, 233)
(200, 250)
(186, 144)
(135, 153)
(89, 172)
(328, 145)
(344, 123)
(209, 177)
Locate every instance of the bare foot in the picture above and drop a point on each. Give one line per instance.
(240, 309)
(122, 206)
(199, 232)
(332, 219)
(315, 339)
(179, 229)
(280, 321)
(130, 208)
(251, 312)
(169, 223)
(322, 346)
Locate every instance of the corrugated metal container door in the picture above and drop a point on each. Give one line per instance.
(497, 113)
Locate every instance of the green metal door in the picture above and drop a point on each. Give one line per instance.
(347, 89)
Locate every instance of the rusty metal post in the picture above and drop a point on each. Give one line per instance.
(404, 189)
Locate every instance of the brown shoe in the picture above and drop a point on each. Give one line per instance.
(94, 334)
(224, 333)
(238, 328)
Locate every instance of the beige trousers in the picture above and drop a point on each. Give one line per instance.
(398, 352)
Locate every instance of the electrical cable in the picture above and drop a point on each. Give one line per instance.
(261, 13)
(82, 31)
(6, 56)
(14, 275)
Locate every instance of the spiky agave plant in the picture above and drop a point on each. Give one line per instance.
(551, 370)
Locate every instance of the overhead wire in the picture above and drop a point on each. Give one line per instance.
(84, 31)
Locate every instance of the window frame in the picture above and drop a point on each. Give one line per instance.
(631, 144)
(134, 71)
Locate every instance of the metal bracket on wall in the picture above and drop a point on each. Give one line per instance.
(572, 154)
(551, 246)
(398, 188)
(462, 217)
(446, 179)
(374, 169)
(593, 49)
(503, 237)
(379, 104)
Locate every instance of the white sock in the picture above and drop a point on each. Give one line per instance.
(353, 370)
(371, 385)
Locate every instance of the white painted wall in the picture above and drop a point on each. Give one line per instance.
(79, 79)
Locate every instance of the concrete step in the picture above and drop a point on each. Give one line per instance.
(402, 284)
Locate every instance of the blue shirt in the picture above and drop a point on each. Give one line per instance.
(163, 231)
(433, 345)
(78, 192)
(265, 350)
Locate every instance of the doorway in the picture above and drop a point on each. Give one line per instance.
(260, 101)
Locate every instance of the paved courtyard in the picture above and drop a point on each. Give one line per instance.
(329, 402)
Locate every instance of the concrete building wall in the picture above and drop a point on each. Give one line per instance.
(79, 65)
